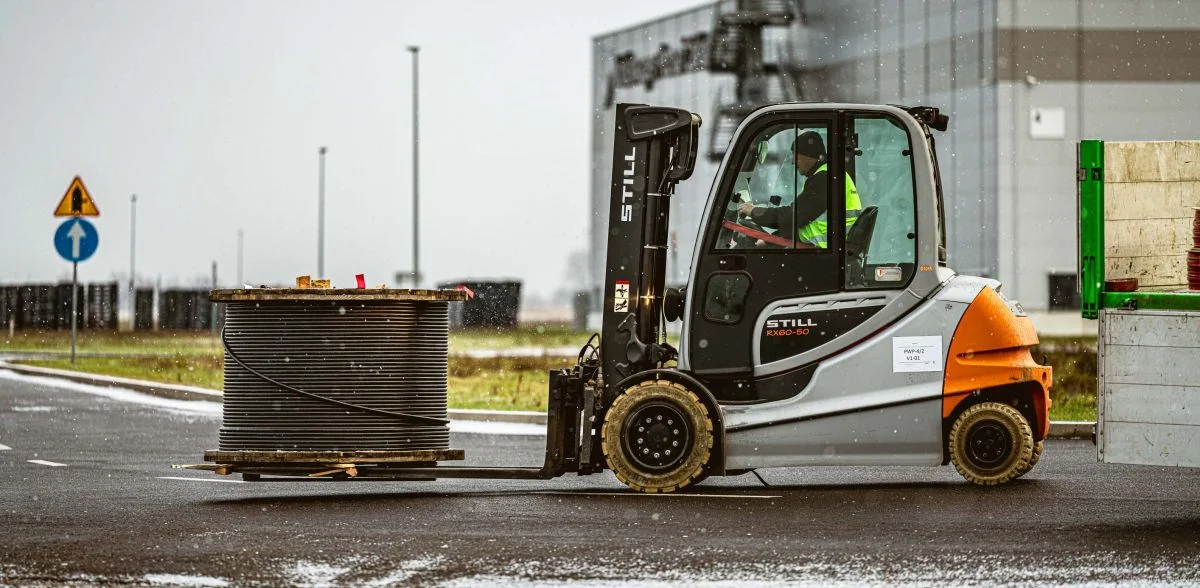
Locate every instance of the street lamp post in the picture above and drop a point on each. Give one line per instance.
(132, 238)
(321, 213)
(415, 50)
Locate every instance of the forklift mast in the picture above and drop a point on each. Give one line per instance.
(654, 148)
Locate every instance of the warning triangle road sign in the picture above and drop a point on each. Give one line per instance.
(77, 201)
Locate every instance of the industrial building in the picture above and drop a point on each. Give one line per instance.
(1022, 80)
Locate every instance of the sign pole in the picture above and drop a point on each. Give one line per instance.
(76, 240)
(74, 305)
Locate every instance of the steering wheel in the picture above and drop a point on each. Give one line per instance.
(741, 232)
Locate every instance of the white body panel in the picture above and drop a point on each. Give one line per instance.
(861, 407)
(1149, 389)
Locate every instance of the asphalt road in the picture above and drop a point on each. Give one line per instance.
(115, 512)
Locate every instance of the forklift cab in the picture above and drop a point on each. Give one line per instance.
(851, 245)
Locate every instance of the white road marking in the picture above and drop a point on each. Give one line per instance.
(201, 479)
(189, 407)
(53, 464)
(494, 428)
(4, 447)
(669, 494)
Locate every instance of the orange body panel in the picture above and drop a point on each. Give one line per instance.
(990, 348)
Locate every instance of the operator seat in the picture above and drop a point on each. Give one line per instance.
(858, 241)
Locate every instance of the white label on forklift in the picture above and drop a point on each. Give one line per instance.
(917, 354)
(621, 296)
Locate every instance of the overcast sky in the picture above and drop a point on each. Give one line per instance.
(212, 113)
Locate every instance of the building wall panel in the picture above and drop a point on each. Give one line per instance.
(988, 63)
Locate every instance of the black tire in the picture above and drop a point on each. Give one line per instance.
(991, 443)
(657, 437)
(1037, 455)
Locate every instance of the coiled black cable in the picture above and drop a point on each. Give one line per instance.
(335, 374)
(266, 378)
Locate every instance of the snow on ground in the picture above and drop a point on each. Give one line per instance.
(1096, 569)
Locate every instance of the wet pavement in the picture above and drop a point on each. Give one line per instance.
(88, 497)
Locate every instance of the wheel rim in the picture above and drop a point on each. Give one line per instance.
(657, 436)
(989, 444)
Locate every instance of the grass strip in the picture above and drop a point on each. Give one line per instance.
(186, 370)
(166, 343)
(187, 342)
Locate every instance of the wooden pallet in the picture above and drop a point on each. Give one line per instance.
(319, 464)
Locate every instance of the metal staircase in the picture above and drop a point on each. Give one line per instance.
(737, 48)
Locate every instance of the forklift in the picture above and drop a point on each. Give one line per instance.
(856, 347)
(834, 334)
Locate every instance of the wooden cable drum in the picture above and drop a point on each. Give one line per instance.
(347, 370)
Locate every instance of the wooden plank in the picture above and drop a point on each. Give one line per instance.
(1156, 366)
(1134, 238)
(1157, 445)
(332, 457)
(1151, 161)
(344, 468)
(1169, 405)
(1151, 200)
(1152, 328)
(208, 467)
(1150, 270)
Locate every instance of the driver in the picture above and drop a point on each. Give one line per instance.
(808, 210)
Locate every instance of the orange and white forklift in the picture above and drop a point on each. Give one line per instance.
(841, 340)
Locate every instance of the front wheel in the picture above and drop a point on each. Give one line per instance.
(657, 437)
(991, 443)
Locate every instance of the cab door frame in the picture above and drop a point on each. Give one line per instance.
(722, 349)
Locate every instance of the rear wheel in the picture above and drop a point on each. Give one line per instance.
(991, 443)
(657, 437)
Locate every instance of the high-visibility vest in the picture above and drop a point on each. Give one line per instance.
(817, 231)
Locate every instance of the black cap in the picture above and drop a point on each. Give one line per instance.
(809, 143)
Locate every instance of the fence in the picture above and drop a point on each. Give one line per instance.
(188, 310)
(48, 306)
(496, 304)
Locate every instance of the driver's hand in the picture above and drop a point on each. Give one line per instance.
(745, 209)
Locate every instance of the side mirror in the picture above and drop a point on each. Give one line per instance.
(673, 299)
(931, 116)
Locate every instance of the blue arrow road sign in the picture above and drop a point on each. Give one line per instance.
(76, 239)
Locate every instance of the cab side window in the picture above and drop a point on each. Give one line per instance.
(761, 211)
(881, 244)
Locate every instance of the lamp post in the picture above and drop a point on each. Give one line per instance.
(321, 212)
(415, 50)
(132, 238)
